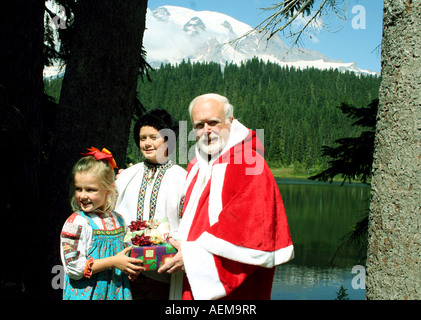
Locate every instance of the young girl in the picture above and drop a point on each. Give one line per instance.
(92, 248)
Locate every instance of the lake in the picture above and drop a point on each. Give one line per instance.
(319, 216)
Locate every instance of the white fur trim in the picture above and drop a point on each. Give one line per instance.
(201, 272)
(215, 195)
(267, 259)
(191, 207)
(238, 133)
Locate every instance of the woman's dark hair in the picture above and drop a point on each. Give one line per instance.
(159, 119)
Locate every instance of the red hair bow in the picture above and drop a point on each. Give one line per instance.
(104, 154)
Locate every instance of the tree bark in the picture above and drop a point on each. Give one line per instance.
(394, 252)
(21, 99)
(97, 97)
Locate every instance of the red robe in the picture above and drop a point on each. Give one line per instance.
(234, 225)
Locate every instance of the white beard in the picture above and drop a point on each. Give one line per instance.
(213, 148)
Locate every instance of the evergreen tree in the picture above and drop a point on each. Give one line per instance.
(353, 157)
(297, 109)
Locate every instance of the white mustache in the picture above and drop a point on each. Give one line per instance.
(206, 138)
(211, 148)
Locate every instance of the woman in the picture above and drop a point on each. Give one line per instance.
(152, 190)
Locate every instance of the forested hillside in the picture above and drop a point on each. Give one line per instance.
(297, 109)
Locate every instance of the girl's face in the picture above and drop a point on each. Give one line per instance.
(89, 192)
(152, 145)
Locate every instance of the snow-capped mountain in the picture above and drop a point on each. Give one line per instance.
(175, 33)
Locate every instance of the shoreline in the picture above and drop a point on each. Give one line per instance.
(288, 173)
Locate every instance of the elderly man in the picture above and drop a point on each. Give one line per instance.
(234, 230)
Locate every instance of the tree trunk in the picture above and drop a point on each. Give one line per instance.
(97, 97)
(21, 93)
(394, 252)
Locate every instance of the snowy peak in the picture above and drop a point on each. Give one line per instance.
(175, 34)
(161, 14)
(193, 26)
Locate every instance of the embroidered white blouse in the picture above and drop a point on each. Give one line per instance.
(167, 204)
(76, 240)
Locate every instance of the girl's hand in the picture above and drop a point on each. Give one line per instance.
(131, 266)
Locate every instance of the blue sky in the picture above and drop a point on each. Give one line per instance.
(357, 39)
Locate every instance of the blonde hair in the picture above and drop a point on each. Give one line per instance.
(103, 171)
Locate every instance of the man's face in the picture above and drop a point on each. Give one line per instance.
(212, 131)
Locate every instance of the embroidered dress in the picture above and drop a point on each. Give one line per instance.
(85, 238)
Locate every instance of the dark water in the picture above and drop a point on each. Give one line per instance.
(319, 216)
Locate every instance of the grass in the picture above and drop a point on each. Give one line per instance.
(287, 172)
